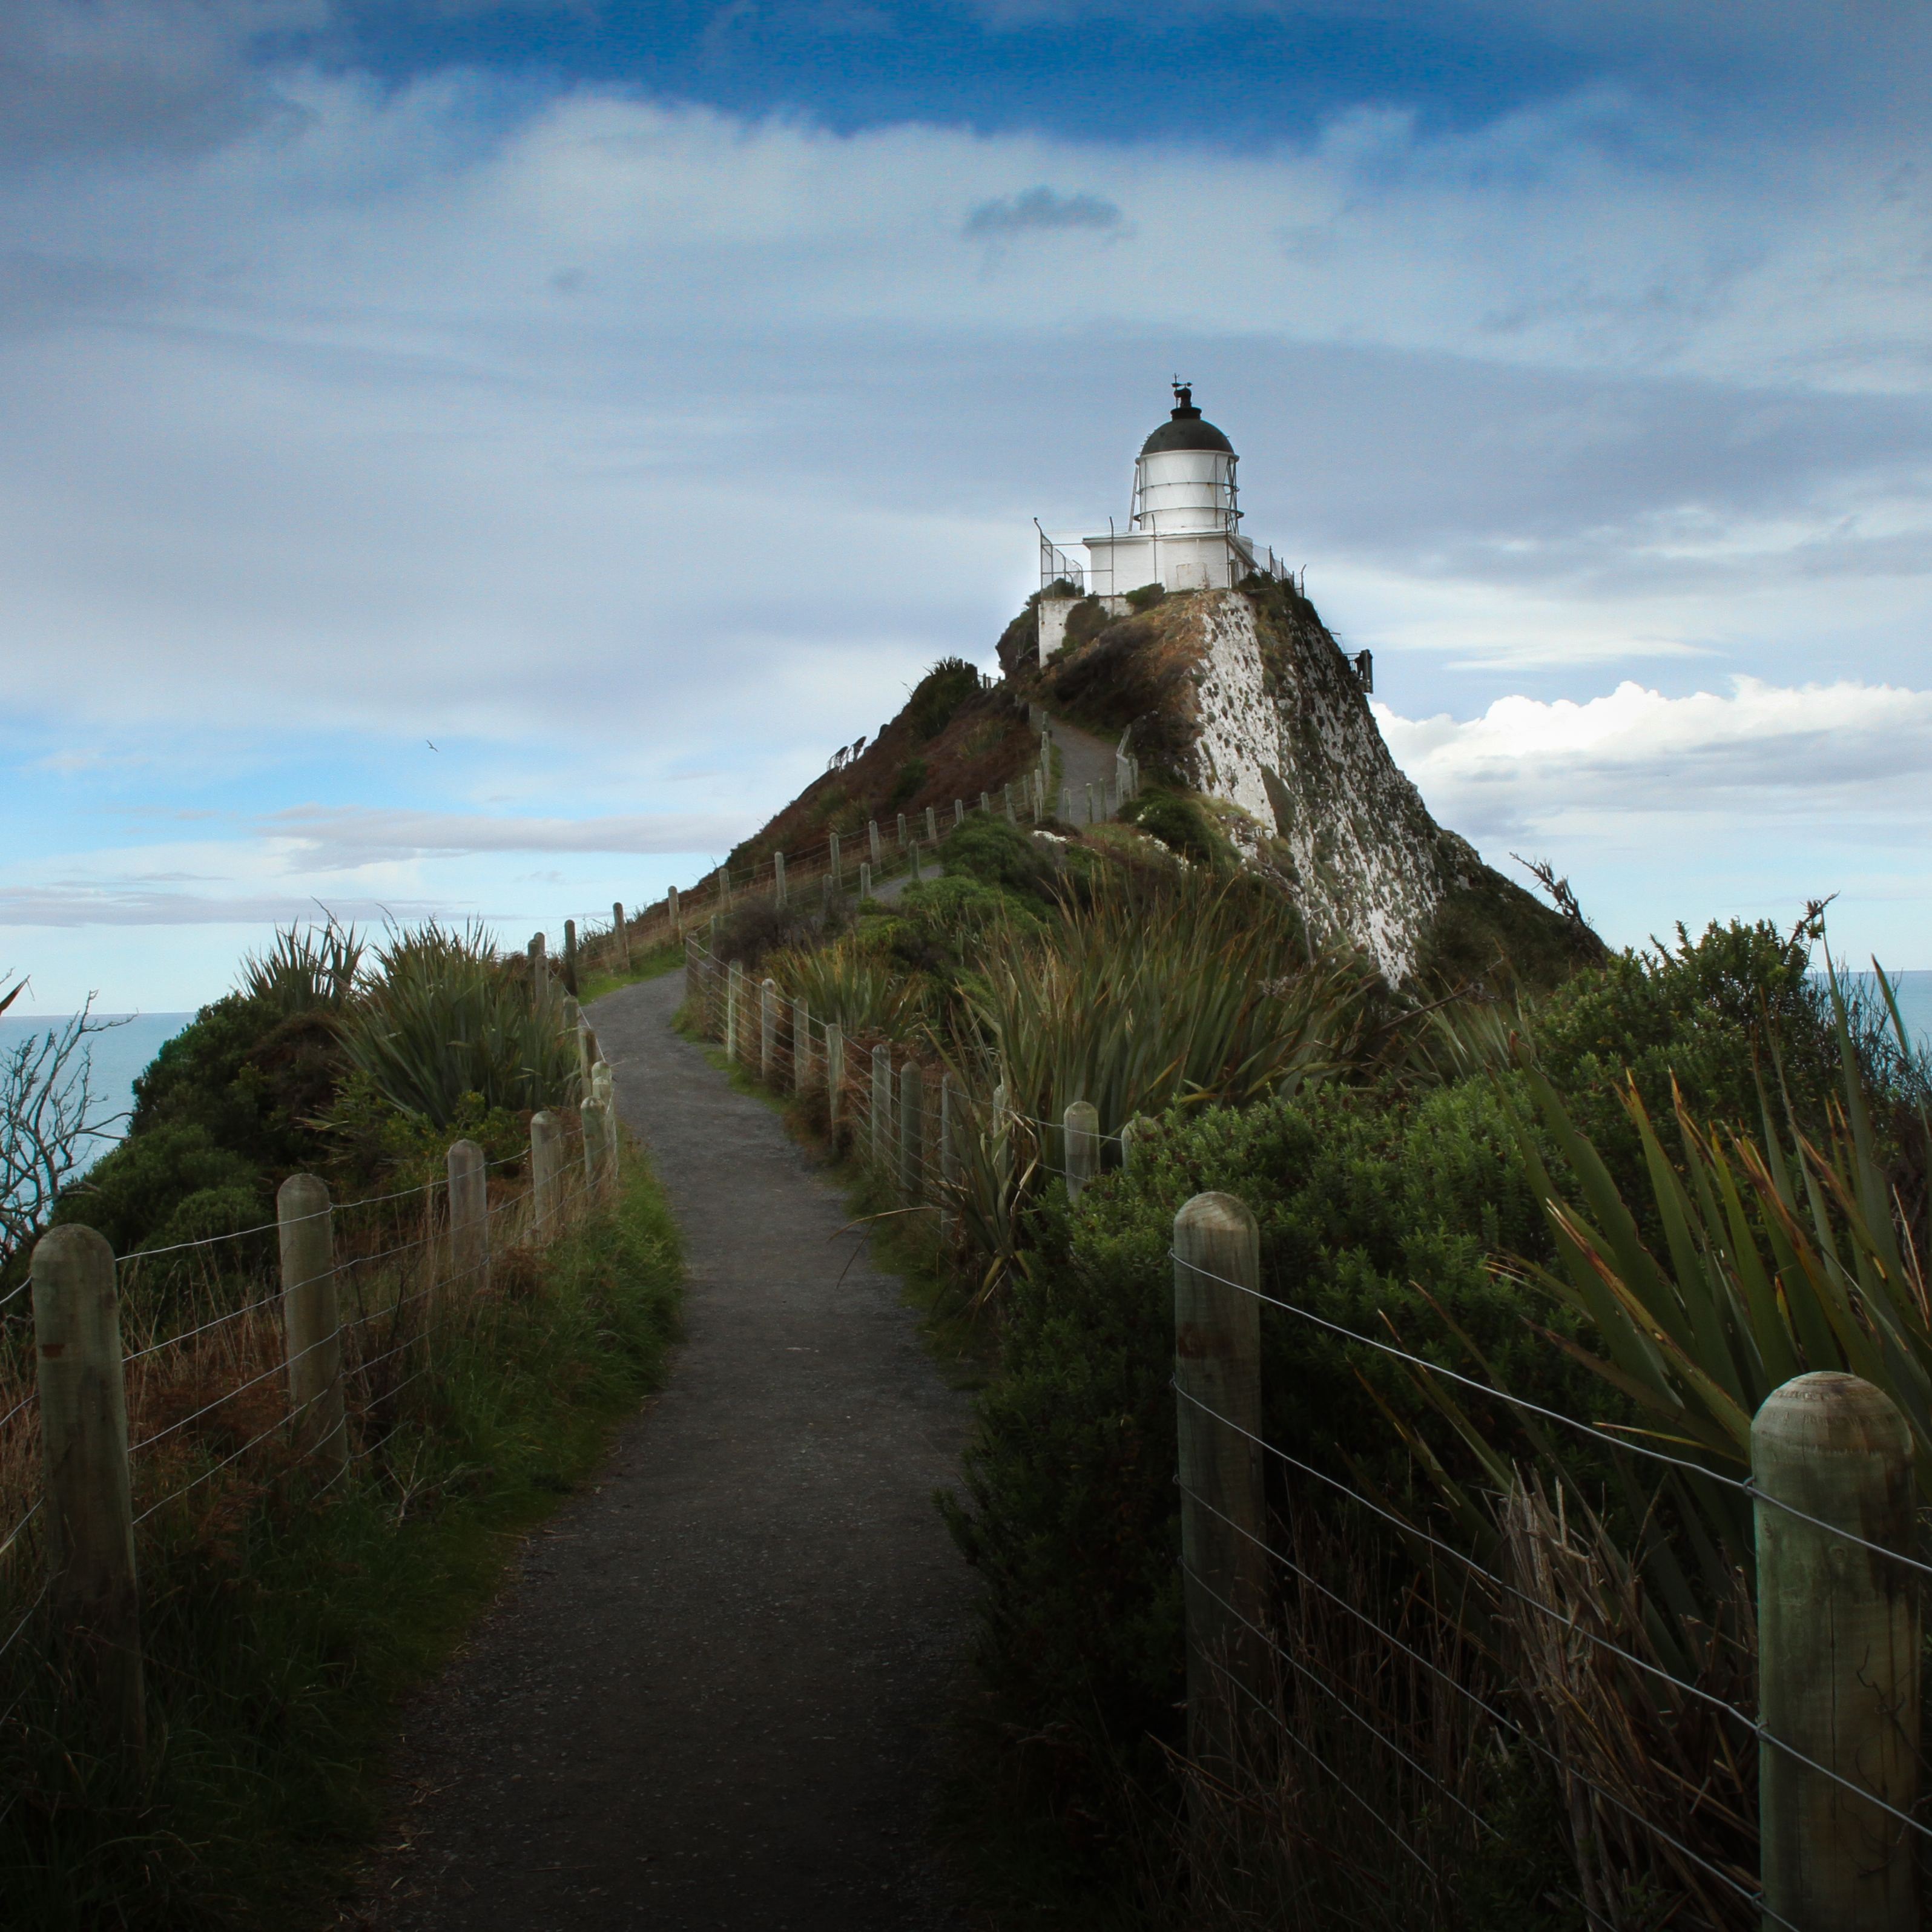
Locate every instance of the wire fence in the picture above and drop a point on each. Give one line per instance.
(1791, 1729)
(220, 1404)
(1537, 1642)
(843, 864)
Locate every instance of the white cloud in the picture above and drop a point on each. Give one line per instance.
(332, 839)
(1760, 753)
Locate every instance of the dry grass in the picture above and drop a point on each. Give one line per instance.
(207, 1393)
(1643, 1761)
(1372, 1788)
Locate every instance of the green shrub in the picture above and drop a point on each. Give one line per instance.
(1363, 1200)
(937, 697)
(1178, 823)
(1146, 597)
(371, 1139)
(987, 849)
(247, 1074)
(170, 1183)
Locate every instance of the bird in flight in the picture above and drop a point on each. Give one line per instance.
(427, 742)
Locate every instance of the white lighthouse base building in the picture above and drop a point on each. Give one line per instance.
(1184, 529)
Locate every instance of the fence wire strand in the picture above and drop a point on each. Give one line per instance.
(1746, 1485)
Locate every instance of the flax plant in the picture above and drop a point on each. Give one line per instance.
(444, 1018)
(1782, 1256)
(306, 969)
(849, 985)
(1188, 991)
(1179, 993)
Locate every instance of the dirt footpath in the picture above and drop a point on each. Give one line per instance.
(1085, 760)
(709, 1700)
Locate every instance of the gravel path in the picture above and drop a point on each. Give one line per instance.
(1085, 760)
(709, 1700)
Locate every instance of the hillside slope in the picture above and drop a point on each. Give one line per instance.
(954, 738)
(1243, 700)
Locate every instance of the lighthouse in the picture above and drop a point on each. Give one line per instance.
(1183, 532)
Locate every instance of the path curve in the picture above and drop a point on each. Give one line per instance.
(709, 1699)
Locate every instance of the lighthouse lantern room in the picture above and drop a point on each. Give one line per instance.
(1184, 529)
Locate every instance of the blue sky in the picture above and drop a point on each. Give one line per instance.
(628, 403)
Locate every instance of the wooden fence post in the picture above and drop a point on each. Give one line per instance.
(588, 1053)
(1131, 1131)
(768, 1028)
(865, 881)
(539, 972)
(882, 1102)
(985, 805)
(733, 980)
(620, 935)
(958, 811)
(671, 913)
(902, 831)
(913, 849)
(1080, 1136)
(950, 1160)
(1012, 819)
(546, 1173)
(1217, 1334)
(951, 1166)
(91, 1583)
(835, 1074)
(603, 1086)
(469, 1219)
(838, 877)
(312, 1321)
(1066, 804)
(1838, 1655)
(801, 1047)
(872, 835)
(912, 1131)
(596, 1138)
(570, 957)
(931, 827)
(779, 895)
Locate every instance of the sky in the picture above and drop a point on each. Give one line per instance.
(478, 461)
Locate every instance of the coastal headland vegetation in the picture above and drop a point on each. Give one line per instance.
(1526, 1214)
(286, 1610)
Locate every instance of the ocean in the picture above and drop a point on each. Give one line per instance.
(1913, 992)
(117, 1058)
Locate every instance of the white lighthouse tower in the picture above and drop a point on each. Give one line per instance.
(1184, 529)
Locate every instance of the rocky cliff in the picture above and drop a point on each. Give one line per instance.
(1244, 698)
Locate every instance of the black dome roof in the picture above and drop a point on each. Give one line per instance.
(1185, 429)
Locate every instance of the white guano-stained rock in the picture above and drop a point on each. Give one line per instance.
(1282, 732)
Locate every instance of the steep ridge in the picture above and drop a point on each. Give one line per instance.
(1242, 701)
